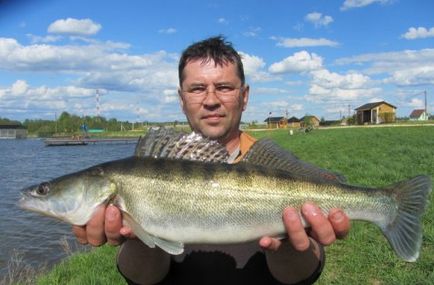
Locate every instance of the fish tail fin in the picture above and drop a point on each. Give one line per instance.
(404, 231)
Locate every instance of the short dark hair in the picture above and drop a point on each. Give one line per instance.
(215, 48)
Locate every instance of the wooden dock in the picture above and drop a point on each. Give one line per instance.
(84, 141)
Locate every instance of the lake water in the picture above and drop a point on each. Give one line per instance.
(35, 238)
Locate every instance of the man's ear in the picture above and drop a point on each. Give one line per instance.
(181, 99)
(245, 95)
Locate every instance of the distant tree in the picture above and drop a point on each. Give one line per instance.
(7, 121)
(307, 122)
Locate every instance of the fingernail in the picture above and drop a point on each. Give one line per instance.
(291, 214)
(311, 210)
(338, 216)
(111, 214)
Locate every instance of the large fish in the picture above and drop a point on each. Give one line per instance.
(177, 189)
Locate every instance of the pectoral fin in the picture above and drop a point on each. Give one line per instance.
(138, 230)
(171, 247)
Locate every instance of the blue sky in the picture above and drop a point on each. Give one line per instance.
(323, 58)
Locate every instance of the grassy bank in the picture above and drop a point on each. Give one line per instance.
(366, 156)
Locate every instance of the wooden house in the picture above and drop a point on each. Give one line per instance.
(376, 113)
(309, 121)
(293, 122)
(12, 131)
(276, 122)
(419, 115)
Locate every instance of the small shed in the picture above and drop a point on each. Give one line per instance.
(309, 121)
(276, 122)
(376, 113)
(12, 131)
(419, 115)
(293, 122)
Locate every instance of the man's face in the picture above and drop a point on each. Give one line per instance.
(215, 115)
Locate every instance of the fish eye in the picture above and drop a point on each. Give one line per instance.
(43, 189)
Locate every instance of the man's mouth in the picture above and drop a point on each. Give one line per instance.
(212, 117)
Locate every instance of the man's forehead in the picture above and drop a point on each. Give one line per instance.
(209, 61)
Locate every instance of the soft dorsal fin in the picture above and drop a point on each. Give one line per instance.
(267, 153)
(172, 144)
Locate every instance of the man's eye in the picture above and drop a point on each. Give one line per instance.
(197, 90)
(224, 88)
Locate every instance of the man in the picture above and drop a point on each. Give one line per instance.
(213, 95)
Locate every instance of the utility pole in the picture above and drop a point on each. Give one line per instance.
(55, 118)
(426, 111)
(97, 103)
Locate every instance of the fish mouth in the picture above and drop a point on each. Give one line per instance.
(26, 202)
(25, 197)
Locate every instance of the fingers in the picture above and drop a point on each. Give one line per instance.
(104, 226)
(321, 228)
(127, 232)
(80, 234)
(296, 233)
(324, 229)
(340, 223)
(95, 228)
(268, 243)
(112, 225)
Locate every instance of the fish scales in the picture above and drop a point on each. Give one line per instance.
(237, 196)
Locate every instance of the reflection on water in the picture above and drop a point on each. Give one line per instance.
(26, 162)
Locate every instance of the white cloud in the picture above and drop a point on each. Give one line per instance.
(299, 62)
(45, 101)
(19, 87)
(70, 26)
(304, 42)
(320, 94)
(167, 31)
(416, 103)
(254, 67)
(327, 86)
(329, 80)
(170, 96)
(277, 108)
(252, 32)
(350, 4)
(95, 65)
(251, 63)
(412, 76)
(418, 33)
(222, 21)
(269, 91)
(20, 93)
(318, 19)
(46, 39)
(408, 67)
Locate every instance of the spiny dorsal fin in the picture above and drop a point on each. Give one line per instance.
(172, 144)
(267, 153)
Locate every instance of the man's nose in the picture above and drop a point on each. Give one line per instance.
(211, 98)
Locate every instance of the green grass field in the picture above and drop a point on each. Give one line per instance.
(366, 156)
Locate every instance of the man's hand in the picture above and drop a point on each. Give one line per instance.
(104, 226)
(323, 229)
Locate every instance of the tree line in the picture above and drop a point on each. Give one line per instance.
(67, 124)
